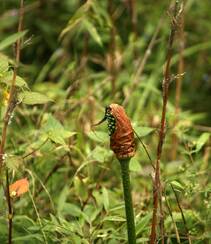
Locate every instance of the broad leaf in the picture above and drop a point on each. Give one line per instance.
(55, 131)
(100, 154)
(8, 77)
(31, 98)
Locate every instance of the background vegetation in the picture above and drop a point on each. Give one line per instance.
(76, 58)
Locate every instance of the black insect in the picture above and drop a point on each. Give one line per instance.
(111, 120)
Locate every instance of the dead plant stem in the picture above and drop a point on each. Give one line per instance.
(10, 108)
(133, 14)
(157, 189)
(11, 102)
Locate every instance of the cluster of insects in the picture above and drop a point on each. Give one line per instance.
(111, 121)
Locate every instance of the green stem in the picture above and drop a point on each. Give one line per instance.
(128, 200)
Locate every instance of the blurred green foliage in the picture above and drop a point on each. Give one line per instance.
(78, 56)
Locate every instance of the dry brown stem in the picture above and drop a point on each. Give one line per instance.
(10, 108)
(157, 189)
(12, 101)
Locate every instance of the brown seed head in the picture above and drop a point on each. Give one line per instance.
(122, 140)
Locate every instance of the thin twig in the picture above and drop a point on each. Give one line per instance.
(182, 214)
(148, 155)
(54, 169)
(157, 189)
(38, 217)
(172, 218)
(36, 149)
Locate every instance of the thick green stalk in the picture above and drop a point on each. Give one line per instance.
(128, 200)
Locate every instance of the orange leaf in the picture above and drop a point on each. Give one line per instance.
(19, 187)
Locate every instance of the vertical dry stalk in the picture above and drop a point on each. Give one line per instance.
(157, 190)
(133, 14)
(11, 103)
(179, 81)
(10, 107)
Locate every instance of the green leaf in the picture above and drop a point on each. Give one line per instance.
(55, 131)
(62, 199)
(3, 64)
(92, 31)
(201, 142)
(143, 131)
(105, 198)
(11, 39)
(13, 162)
(31, 98)
(92, 212)
(135, 165)
(77, 18)
(8, 77)
(143, 240)
(114, 218)
(1, 197)
(71, 209)
(100, 154)
(143, 223)
(29, 238)
(177, 185)
(80, 188)
(98, 136)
